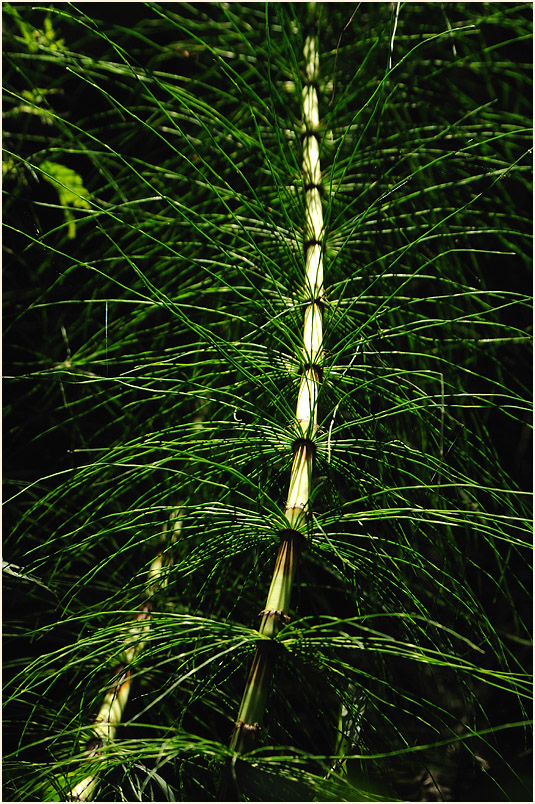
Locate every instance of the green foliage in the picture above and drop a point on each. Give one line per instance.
(69, 187)
(153, 362)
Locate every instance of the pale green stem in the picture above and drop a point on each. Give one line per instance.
(110, 714)
(104, 726)
(275, 613)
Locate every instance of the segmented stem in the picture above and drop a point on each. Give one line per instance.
(275, 614)
(111, 711)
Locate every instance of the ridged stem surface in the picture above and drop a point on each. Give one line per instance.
(110, 714)
(275, 613)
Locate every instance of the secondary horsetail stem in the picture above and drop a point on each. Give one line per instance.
(275, 613)
(111, 711)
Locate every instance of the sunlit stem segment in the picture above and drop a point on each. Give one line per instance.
(110, 714)
(104, 728)
(275, 614)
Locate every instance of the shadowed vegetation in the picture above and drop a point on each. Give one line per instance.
(167, 186)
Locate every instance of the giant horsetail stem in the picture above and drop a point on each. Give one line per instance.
(275, 613)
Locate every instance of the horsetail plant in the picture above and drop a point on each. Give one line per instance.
(275, 613)
(171, 205)
(110, 714)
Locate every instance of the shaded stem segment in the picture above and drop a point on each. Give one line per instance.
(110, 714)
(275, 614)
